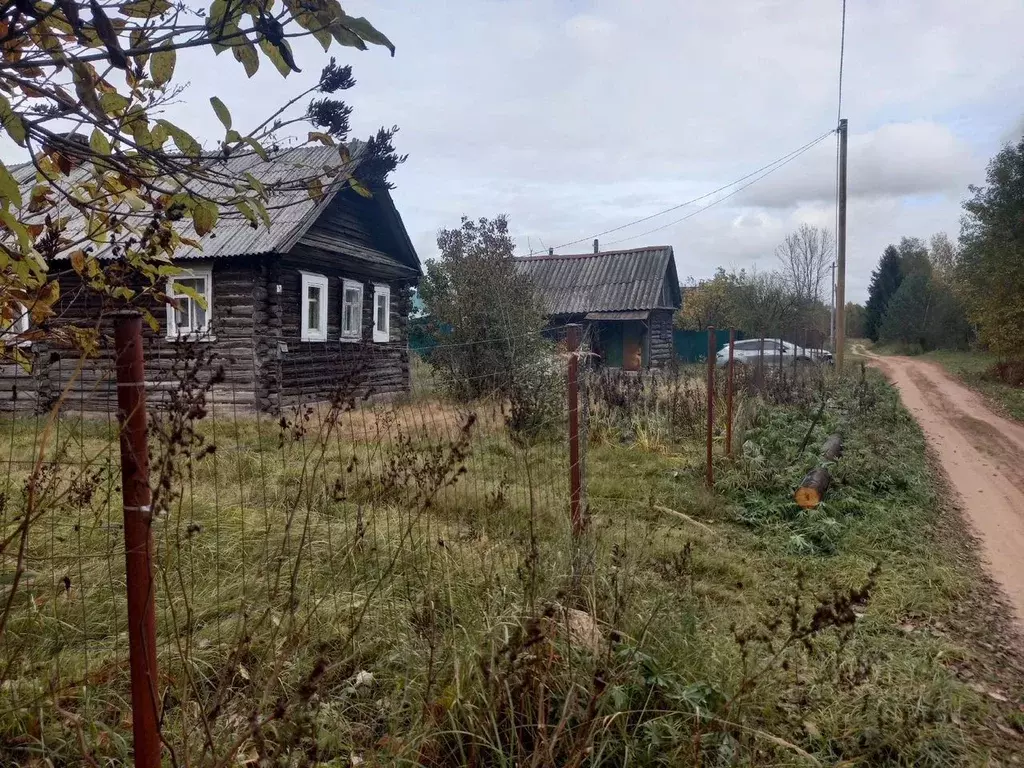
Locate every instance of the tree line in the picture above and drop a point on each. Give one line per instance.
(791, 301)
(950, 295)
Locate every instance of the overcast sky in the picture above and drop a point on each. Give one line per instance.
(577, 117)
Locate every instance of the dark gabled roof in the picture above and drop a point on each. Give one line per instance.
(291, 209)
(610, 281)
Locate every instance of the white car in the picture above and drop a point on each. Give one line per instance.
(776, 351)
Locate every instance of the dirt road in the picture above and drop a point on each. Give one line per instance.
(982, 453)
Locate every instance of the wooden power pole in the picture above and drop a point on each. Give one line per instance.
(841, 253)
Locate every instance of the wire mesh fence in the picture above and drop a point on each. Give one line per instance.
(289, 550)
(360, 534)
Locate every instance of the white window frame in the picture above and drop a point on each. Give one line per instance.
(382, 335)
(20, 325)
(356, 334)
(173, 332)
(309, 280)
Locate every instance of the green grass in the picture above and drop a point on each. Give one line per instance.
(296, 559)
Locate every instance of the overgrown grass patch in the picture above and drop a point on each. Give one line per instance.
(364, 589)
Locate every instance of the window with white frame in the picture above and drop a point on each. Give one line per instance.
(351, 310)
(192, 291)
(381, 312)
(314, 307)
(16, 325)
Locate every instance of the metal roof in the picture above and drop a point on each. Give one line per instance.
(291, 209)
(610, 281)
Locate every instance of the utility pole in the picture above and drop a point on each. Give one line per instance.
(840, 310)
(832, 311)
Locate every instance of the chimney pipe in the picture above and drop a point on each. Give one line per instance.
(551, 251)
(596, 247)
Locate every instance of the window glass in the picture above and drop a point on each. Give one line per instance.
(190, 316)
(352, 310)
(313, 307)
(313, 317)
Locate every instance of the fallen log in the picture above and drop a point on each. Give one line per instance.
(812, 488)
(832, 449)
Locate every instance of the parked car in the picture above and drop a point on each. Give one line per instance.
(776, 352)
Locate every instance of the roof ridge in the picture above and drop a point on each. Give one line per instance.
(555, 256)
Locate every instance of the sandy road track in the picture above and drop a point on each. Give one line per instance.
(983, 455)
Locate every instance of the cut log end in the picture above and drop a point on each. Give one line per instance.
(812, 488)
(808, 498)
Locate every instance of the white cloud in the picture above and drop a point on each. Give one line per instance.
(576, 118)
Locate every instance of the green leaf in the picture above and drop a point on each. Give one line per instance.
(160, 135)
(272, 53)
(367, 31)
(222, 111)
(232, 136)
(113, 103)
(134, 201)
(145, 9)
(182, 139)
(10, 192)
(261, 209)
(323, 36)
(345, 36)
(15, 226)
(162, 65)
(247, 55)
(358, 187)
(139, 127)
(257, 148)
(99, 143)
(12, 122)
(246, 210)
(192, 293)
(204, 216)
(255, 183)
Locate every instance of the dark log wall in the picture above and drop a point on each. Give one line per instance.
(89, 386)
(659, 335)
(318, 370)
(18, 386)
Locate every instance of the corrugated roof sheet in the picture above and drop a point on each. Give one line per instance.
(291, 209)
(611, 281)
(636, 314)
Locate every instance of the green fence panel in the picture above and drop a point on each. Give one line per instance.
(692, 346)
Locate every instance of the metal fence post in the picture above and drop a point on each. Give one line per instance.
(138, 538)
(711, 403)
(728, 394)
(575, 470)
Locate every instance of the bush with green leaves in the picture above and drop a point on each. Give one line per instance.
(484, 311)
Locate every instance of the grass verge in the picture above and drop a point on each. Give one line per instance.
(398, 585)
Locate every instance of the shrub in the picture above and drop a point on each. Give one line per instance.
(485, 311)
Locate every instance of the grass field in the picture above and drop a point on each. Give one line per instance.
(398, 585)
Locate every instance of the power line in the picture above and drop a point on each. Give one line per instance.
(771, 169)
(779, 162)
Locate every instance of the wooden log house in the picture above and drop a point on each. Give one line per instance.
(292, 310)
(624, 300)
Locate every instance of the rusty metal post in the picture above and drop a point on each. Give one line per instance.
(138, 538)
(728, 394)
(711, 403)
(575, 469)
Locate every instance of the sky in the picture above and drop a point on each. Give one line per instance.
(578, 117)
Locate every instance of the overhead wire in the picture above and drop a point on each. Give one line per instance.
(764, 170)
(789, 158)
